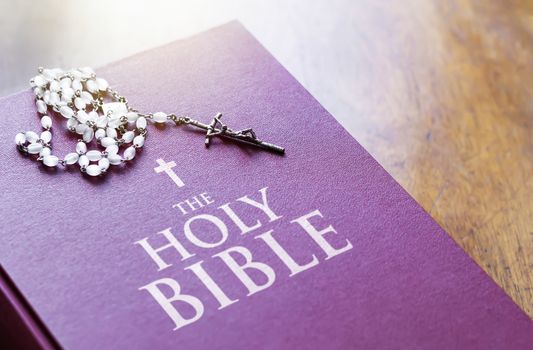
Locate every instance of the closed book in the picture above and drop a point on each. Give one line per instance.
(231, 247)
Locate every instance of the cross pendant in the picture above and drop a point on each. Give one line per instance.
(217, 129)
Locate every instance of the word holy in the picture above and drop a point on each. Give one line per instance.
(167, 291)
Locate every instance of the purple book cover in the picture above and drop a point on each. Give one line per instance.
(317, 249)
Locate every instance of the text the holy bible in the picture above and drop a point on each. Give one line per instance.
(175, 252)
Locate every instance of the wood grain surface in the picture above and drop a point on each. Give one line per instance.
(439, 92)
(445, 100)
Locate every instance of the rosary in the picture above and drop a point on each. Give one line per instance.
(95, 111)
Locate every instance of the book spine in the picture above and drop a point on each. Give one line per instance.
(20, 327)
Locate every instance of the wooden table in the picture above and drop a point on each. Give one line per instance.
(439, 92)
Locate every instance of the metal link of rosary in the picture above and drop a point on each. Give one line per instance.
(80, 97)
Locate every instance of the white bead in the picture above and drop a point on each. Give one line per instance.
(141, 123)
(53, 73)
(111, 132)
(132, 116)
(103, 164)
(102, 84)
(46, 97)
(34, 148)
(72, 123)
(39, 81)
(81, 147)
(41, 106)
(91, 85)
(65, 83)
(46, 151)
(94, 155)
(88, 135)
(80, 128)
(71, 158)
(129, 153)
(138, 141)
(20, 139)
(66, 111)
(101, 121)
(46, 122)
(99, 134)
(79, 103)
(76, 74)
(54, 99)
(67, 94)
(39, 92)
(107, 141)
(93, 170)
(93, 116)
(54, 86)
(128, 136)
(82, 117)
(87, 71)
(114, 122)
(76, 85)
(86, 96)
(160, 117)
(49, 74)
(50, 161)
(46, 136)
(83, 161)
(114, 158)
(31, 136)
(113, 149)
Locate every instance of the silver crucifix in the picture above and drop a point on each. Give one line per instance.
(217, 128)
